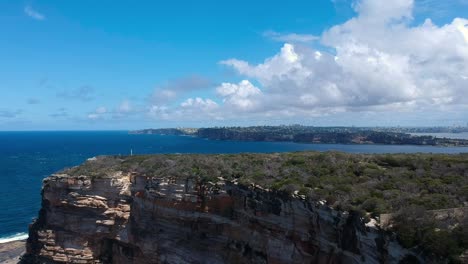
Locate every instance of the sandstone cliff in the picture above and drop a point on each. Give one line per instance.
(130, 217)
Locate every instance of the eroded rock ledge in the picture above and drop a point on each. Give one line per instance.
(130, 217)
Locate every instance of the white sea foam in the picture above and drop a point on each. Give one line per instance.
(15, 237)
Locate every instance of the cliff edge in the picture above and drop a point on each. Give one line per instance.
(109, 210)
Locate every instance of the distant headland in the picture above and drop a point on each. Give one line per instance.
(321, 135)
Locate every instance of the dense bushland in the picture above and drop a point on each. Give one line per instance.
(404, 184)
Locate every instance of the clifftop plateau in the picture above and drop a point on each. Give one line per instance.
(305, 207)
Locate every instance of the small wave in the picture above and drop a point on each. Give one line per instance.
(15, 237)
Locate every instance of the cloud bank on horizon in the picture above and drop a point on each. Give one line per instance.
(380, 62)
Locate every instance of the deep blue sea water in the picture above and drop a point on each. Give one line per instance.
(27, 157)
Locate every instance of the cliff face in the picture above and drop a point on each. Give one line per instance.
(127, 218)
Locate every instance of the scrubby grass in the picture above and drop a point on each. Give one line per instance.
(374, 183)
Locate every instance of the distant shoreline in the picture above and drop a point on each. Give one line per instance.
(313, 135)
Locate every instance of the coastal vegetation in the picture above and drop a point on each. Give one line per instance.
(405, 185)
(309, 134)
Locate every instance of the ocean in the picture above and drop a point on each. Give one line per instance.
(27, 157)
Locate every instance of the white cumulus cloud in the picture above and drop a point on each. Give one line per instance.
(242, 96)
(29, 11)
(377, 64)
(199, 104)
(381, 63)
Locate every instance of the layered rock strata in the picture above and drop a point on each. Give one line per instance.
(131, 218)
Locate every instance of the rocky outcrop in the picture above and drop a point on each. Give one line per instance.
(10, 252)
(131, 218)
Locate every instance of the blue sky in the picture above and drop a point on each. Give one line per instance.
(68, 65)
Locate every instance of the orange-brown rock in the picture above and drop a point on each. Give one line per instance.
(142, 219)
